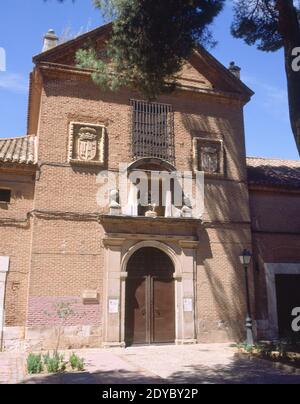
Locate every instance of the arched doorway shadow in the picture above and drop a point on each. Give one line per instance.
(150, 298)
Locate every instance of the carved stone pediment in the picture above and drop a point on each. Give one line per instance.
(87, 143)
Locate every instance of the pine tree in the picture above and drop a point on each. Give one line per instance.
(150, 41)
(272, 25)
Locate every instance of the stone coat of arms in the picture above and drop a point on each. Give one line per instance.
(87, 148)
(210, 160)
(86, 143)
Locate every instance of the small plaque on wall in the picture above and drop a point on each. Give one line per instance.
(113, 306)
(188, 305)
(90, 297)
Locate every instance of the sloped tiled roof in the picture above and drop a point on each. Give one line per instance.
(20, 150)
(273, 172)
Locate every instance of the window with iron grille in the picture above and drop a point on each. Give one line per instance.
(153, 130)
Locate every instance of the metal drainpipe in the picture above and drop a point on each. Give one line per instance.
(195, 296)
(4, 265)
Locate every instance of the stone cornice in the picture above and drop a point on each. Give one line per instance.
(191, 245)
(119, 238)
(18, 169)
(274, 189)
(148, 220)
(55, 70)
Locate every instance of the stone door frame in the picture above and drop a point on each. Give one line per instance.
(271, 270)
(118, 253)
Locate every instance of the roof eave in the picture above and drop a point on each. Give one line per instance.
(231, 79)
(51, 52)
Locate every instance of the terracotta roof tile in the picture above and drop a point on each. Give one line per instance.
(273, 172)
(21, 150)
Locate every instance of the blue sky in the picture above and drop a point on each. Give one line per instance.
(23, 24)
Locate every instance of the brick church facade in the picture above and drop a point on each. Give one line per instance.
(128, 277)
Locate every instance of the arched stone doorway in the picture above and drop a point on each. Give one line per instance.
(150, 298)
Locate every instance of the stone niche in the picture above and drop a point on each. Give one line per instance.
(86, 144)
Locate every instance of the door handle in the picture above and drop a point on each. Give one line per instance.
(143, 312)
(157, 312)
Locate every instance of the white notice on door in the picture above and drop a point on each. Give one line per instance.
(113, 306)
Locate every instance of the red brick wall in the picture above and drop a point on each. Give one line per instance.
(59, 269)
(15, 242)
(276, 235)
(44, 311)
(67, 256)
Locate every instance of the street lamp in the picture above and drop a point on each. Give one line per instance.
(245, 259)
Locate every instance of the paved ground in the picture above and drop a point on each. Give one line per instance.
(11, 368)
(205, 364)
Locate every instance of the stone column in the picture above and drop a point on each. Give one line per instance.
(113, 316)
(4, 265)
(188, 258)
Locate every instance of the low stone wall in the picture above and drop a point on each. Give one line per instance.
(13, 339)
(46, 338)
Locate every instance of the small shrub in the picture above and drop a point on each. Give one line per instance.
(80, 365)
(73, 360)
(76, 362)
(55, 363)
(34, 364)
(245, 347)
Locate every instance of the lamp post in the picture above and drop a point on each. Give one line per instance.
(245, 259)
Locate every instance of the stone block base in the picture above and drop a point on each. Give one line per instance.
(185, 342)
(48, 338)
(13, 339)
(108, 345)
(218, 332)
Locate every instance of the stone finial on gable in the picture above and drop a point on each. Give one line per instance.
(235, 70)
(50, 40)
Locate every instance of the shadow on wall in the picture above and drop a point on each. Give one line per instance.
(227, 289)
(228, 202)
(216, 125)
(278, 252)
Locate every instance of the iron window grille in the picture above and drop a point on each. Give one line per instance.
(153, 130)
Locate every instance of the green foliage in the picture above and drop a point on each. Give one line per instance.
(76, 362)
(64, 310)
(257, 22)
(55, 363)
(271, 25)
(245, 347)
(34, 364)
(278, 350)
(150, 41)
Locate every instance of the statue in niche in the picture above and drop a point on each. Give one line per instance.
(210, 159)
(152, 211)
(187, 210)
(114, 204)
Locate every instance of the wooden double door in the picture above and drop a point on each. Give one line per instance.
(150, 298)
